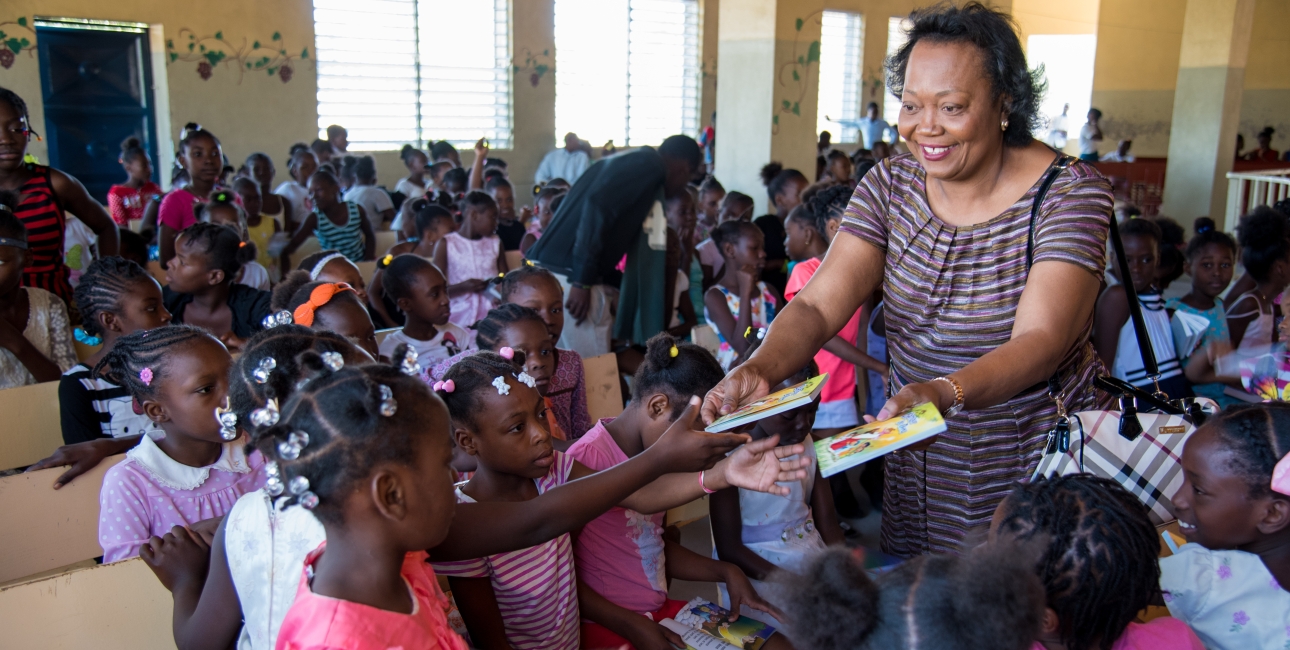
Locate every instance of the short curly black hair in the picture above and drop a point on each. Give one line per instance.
(691, 371)
(995, 34)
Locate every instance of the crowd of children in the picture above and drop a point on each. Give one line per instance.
(297, 479)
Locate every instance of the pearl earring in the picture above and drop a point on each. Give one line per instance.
(1003, 126)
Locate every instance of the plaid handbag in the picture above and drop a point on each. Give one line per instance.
(1147, 465)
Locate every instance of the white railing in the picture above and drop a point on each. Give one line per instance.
(1247, 190)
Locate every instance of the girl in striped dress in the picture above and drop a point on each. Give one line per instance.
(43, 194)
(528, 599)
(338, 225)
(743, 252)
(1113, 333)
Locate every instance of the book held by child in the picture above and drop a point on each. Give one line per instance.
(705, 626)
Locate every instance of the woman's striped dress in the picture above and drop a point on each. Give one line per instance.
(40, 211)
(951, 296)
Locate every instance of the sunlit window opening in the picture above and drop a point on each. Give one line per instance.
(896, 38)
(626, 70)
(841, 58)
(391, 73)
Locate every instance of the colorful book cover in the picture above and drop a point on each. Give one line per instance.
(705, 626)
(772, 404)
(865, 443)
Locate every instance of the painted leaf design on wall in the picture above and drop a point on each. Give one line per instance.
(215, 50)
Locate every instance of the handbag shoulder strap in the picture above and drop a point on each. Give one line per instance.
(1059, 165)
(1135, 308)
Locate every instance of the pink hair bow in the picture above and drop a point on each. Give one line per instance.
(1281, 476)
(445, 386)
(507, 353)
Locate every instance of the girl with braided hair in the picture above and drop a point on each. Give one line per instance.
(201, 289)
(1098, 566)
(1228, 581)
(116, 297)
(499, 417)
(333, 306)
(807, 242)
(256, 554)
(178, 374)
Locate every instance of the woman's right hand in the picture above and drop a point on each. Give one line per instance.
(743, 385)
(683, 448)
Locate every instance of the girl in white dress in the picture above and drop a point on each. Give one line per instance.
(761, 532)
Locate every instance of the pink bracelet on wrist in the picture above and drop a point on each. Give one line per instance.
(701, 485)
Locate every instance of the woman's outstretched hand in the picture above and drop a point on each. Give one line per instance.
(744, 384)
(914, 394)
(758, 466)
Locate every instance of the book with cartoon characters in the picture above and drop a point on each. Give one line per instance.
(865, 443)
(772, 404)
(705, 626)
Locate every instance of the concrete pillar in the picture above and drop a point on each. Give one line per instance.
(1207, 107)
(769, 53)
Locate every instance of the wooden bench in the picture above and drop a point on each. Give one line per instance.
(368, 269)
(604, 392)
(381, 334)
(385, 240)
(115, 606)
(514, 260)
(84, 352)
(158, 272)
(46, 528)
(32, 426)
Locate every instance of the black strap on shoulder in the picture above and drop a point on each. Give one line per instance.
(1063, 161)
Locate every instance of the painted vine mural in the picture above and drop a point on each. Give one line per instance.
(535, 65)
(794, 86)
(214, 50)
(16, 37)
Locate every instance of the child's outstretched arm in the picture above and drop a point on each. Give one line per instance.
(487, 528)
(478, 606)
(727, 535)
(81, 457)
(643, 633)
(208, 614)
(754, 466)
(687, 565)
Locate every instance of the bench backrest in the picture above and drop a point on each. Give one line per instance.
(115, 606)
(46, 528)
(604, 389)
(32, 427)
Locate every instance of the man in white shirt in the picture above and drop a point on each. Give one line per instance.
(1089, 135)
(875, 129)
(1057, 129)
(1121, 153)
(568, 163)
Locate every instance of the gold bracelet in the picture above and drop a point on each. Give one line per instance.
(958, 395)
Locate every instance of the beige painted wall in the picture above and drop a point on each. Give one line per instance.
(249, 110)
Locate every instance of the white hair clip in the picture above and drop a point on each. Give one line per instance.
(278, 318)
(526, 379)
(299, 486)
(333, 360)
(273, 484)
(410, 366)
(290, 448)
(266, 416)
(227, 421)
(502, 387)
(388, 404)
(261, 372)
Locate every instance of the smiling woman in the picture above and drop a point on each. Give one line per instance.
(989, 249)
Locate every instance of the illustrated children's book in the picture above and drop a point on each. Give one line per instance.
(705, 626)
(865, 443)
(772, 404)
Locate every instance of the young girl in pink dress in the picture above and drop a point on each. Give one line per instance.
(200, 155)
(178, 375)
(472, 257)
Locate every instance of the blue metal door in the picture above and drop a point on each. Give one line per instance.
(97, 89)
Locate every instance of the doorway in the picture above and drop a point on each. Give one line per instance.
(96, 82)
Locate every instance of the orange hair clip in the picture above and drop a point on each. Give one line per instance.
(321, 295)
